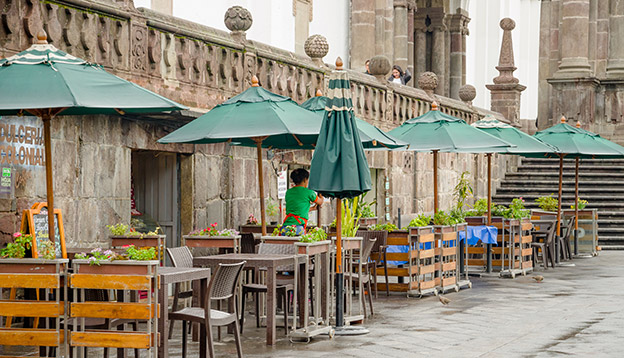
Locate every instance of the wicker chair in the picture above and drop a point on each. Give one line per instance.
(222, 287)
(180, 257)
(377, 255)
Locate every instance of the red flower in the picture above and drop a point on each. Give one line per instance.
(214, 225)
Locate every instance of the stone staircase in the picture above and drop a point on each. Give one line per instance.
(601, 183)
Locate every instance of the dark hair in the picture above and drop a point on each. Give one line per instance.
(299, 175)
(398, 68)
(367, 62)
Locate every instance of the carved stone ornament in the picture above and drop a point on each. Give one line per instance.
(467, 93)
(238, 19)
(316, 46)
(379, 66)
(428, 81)
(506, 65)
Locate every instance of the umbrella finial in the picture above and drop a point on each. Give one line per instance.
(578, 124)
(339, 63)
(563, 119)
(319, 93)
(254, 81)
(434, 106)
(42, 38)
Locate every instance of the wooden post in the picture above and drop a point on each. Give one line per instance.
(576, 204)
(46, 117)
(261, 183)
(435, 181)
(560, 192)
(339, 273)
(489, 188)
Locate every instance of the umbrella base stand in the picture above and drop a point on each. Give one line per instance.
(465, 283)
(512, 273)
(307, 333)
(350, 331)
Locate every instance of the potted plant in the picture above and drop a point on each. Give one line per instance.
(548, 203)
(252, 224)
(121, 235)
(135, 261)
(365, 210)
(212, 237)
(477, 215)
(272, 209)
(284, 235)
(313, 242)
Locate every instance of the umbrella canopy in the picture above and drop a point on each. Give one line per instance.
(45, 82)
(255, 118)
(254, 113)
(339, 168)
(438, 132)
(523, 143)
(371, 136)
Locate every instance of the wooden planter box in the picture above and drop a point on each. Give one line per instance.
(269, 239)
(221, 242)
(366, 222)
(446, 251)
(46, 275)
(157, 241)
(313, 248)
(476, 220)
(128, 277)
(257, 229)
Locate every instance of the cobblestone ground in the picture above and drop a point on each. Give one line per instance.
(577, 311)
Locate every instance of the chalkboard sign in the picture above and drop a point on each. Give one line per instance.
(35, 222)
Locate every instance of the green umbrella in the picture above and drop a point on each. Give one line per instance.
(438, 132)
(339, 168)
(371, 136)
(577, 143)
(45, 82)
(524, 145)
(255, 118)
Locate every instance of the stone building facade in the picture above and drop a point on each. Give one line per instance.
(582, 65)
(99, 161)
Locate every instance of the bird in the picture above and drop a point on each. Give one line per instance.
(538, 278)
(445, 301)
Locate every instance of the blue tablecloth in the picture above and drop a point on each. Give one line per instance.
(483, 233)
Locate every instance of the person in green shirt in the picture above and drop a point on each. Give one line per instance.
(298, 200)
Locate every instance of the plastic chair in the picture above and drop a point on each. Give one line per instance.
(222, 287)
(365, 274)
(564, 240)
(378, 254)
(180, 257)
(546, 247)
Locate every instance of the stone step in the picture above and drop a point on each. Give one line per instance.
(570, 162)
(566, 188)
(585, 182)
(536, 175)
(570, 169)
(610, 240)
(566, 197)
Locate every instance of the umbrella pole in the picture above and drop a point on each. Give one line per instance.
(435, 181)
(339, 274)
(489, 213)
(576, 203)
(261, 184)
(559, 207)
(49, 183)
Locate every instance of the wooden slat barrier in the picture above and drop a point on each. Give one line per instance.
(31, 308)
(126, 310)
(111, 282)
(30, 337)
(111, 339)
(26, 280)
(447, 251)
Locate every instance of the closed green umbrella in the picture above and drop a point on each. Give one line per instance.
(437, 132)
(371, 136)
(576, 143)
(45, 82)
(255, 118)
(339, 168)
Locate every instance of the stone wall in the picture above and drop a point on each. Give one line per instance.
(200, 67)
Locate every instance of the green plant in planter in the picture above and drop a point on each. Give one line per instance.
(350, 216)
(499, 210)
(17, 248)
(548, 203)
(442, 218)
(314, 235)
(420, 221)
(96, 256)
(389, 227)
(479, 208)
(457, 216)
(271, 207)
(581, 204)
(119, 229)
(462, 191)
(141, 254)
(46, 249)
(516, 210)
(366, 209)
(290, 231)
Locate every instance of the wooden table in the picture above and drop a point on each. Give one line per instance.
(270, 262)
(169, 275)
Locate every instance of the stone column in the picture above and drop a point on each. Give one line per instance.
(400, 33)
(575, 48)
(420, 47)
(457, 73)
(615, 63)
(438, 58)
(506, 90)
(302, 11)
(362, 32)
(411, 7)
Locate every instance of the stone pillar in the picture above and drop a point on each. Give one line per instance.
(615, 63)
(420, 49)
(163, 6)
(438, 58)
(457, 71)
(302, 11)
(362, 32)
(575, 48)
(506, 90)
(411, 7)
(400, 33)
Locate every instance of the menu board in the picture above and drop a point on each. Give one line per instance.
(35, 222)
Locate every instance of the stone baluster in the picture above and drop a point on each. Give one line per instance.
(574, 51)
(615, 63)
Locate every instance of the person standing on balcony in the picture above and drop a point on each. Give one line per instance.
(398, 76)
(298, 200)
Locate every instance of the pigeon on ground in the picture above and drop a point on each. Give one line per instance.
(445, 301)
(538, 278)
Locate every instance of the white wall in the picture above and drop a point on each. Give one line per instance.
(273, 21)
(483, 48)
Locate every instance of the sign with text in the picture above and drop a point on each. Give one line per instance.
(6, 183)
(35, 222)
(21, 141)
(282, 184)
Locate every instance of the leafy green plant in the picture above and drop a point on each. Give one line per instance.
(96, 256)
(141, 254)
(479, 208)
(457, 216)
(314, 235)
(389, 227)
(548, 203)
(443, 218)
(350, 216)
(499, 210)
(271, 207)
(365, 209)
(462, 191)
(17, 248)
(46, 249)
(211, 231)
(516, 210)
(290, 231)
(119, 229)
(420, 221)
(581, 204)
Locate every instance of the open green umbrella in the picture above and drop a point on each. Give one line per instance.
(45, 82)
(437, 132)
(339, 168)
(524, 145)
(371, 136)
(576, 143)
(255, 118)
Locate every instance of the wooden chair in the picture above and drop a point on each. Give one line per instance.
(180, 257)
(546, 247)
(222, 287)
(285, 284)
(365, 274)
(377, 255)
